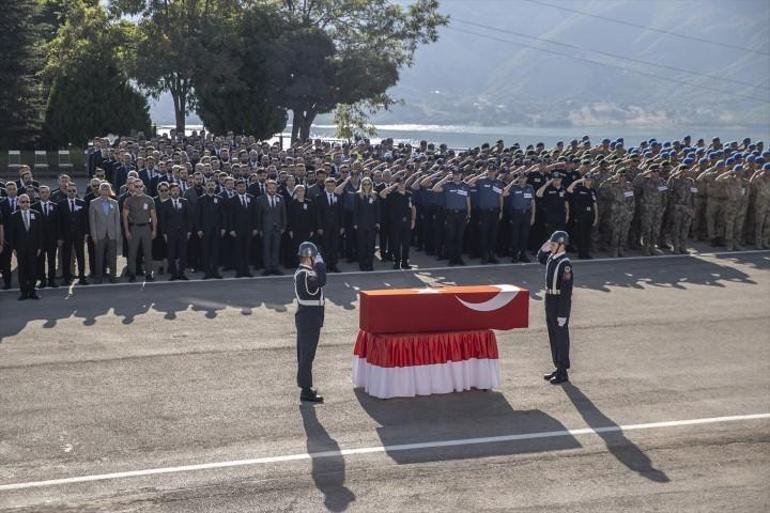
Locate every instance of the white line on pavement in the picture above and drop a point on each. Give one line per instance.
(380, 449)
(620, 260)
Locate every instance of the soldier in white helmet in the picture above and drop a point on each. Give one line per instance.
(309, 280)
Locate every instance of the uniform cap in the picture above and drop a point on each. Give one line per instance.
(766, 167)
(759, 161)
(720, 164)
(738, 168)
(688, 161)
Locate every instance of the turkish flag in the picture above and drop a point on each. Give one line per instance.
(499, 307)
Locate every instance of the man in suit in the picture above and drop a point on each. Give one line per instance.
(242, 225)
(329, 219)
(176, 223)
(8, 206)
(192, 195)
(60, 193)
(164, 175)
(49, 216)
(25, 235)
(120, 171)
(73, 232)
(94, 158)
(271, 223)
(211, 224)
(104, 224)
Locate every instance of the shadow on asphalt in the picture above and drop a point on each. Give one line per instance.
(472, 414)
(618, 445)
(328, 467)
(131, 302)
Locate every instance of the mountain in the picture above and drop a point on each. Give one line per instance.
(540, 63)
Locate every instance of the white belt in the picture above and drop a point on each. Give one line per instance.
(310, 302)
(552, 292)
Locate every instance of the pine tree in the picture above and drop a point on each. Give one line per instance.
(20, 65)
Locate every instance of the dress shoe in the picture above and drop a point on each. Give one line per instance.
(42, 285)
(277, 272)
(33, 296)
(461, 262)
(550, 375)
(311, 397)
(83, 281)
(334, 269)
(131, 278)
(217, 276)
(405, 265)
(494, 261)
(266, 273)
(396, 266)
(559, 379)
(52, 284)
(114, 280)
(248, 275)
(23, 297)
(149, 278)
(184, 277)
(173, 278)
(207, 277)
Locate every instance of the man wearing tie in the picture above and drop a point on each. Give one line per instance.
(329, 217)
(25, 236)
(242, 225)
(104, 222)
(8, 206)
(211, 228)
(271, 222)
(73, 232)
(176, 223)
(50, 227)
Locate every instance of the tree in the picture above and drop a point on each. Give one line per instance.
(170, 49)
(361, 46)
(20, 64)
(242, 100)
(89, 90)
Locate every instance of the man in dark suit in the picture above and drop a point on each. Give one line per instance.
(120, 172)
(176, 218)
(25, 235)
(271, 223)
(211, 224)
(242, 225)
(164, 175)
(8, 205)
(94, 158)
(73, 232)
(329, 218)
(49, 216)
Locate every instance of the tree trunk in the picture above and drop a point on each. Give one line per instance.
(295, 122)
(307, 120)
(180, 105)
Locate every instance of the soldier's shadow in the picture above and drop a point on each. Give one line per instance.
(328, 465)
(477, 418)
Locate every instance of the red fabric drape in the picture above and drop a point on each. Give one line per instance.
(410, 349)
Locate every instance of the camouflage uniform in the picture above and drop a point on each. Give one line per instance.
(600, 237)
(682, 208)
(734, 191)
(715, 203)
(618, 197)
(699, 216)
(652, 202)
(761, 186)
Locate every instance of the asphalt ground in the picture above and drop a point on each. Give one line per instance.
(181, 398)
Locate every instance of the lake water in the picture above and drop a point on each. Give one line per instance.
(457, 136)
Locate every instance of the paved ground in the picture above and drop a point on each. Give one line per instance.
(127, 378)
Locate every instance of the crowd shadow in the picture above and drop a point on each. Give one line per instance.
(460, 416)
(625, 451)
(328, 464)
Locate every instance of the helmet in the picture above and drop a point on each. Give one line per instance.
(307, 249)
(560, 237)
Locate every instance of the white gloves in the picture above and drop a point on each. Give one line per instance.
(546, 246)
(561, 321)
(318, 258)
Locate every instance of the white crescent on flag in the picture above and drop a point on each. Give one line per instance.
(505, 296)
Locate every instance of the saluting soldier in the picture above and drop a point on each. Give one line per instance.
(457, 206)
(309, 280)
(558, 302)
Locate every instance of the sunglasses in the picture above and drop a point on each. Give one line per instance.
(23, 201)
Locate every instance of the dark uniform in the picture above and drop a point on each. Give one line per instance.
(176, 223)
(212, 219)
(584, 204)
(456, 211)
(308, 289)
(366, 219)
(554, 208)
(49, 215)
(519, 206)
(558, 304)
(488, 197)
(398, 210)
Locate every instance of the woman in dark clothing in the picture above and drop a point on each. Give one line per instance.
(366, 223)
(300, 222)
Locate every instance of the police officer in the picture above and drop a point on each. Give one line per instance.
(490, 202)
(457, 207)
(553, 198)
(558, 302)
(309, 280)
(520, 203)
(586, 213)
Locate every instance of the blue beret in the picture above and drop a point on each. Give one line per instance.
(759, 161)
(738, 156)
(750, 158)
(605, 141)
(730, 161)
(721, 163)
(647, 154)
(688, 161)
(738, 168)
(700, 151)
(620, 139)
(666, 144)
(766, 167)
(703, 161)
(752, 146)
(613, 144)
(686, 137)
(747, 139)
(766, 154)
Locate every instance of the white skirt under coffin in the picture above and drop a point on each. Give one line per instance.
(442, 378)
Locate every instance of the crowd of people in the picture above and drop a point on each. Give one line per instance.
(211, 204)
